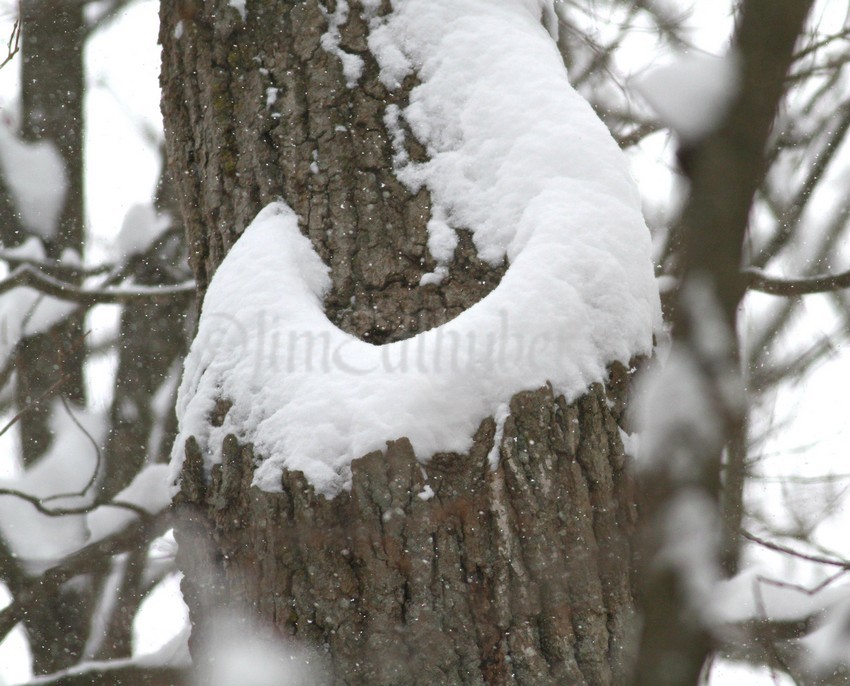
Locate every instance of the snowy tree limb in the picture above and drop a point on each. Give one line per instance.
(26, 275)
(54, 268)
(38, 504)
(758, 280)
(730, 165)
(86, 560)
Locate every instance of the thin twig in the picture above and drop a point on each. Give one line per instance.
(53, 388)
(802, 589)
(777, 547)
(14, 44)
(98, 458)
(38, 504)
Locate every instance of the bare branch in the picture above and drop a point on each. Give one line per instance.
(108, 15)
(50, 391)
(38, 504)
(14, 44)
(822, 43)
(789, 220)
(779, 548)
(98, 456)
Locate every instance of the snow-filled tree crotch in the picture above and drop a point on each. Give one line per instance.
(523, 163)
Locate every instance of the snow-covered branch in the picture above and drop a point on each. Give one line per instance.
(26, 275)
(55, 268)
(695, 408)
(760, 281)
(38, 504)
(90, 558)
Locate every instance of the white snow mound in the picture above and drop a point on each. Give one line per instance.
(691, 95)
(518, 158)
(35, 177)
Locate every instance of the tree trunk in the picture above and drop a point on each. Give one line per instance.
(50, 365)
(518, 575)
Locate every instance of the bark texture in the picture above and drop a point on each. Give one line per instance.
(234, 150)
(520, 575)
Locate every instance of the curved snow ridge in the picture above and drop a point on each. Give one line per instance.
(516, 157)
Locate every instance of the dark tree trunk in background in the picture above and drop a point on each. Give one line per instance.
(520, 575)
(52, 109)
(50, 365)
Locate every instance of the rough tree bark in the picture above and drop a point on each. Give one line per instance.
(520, 575)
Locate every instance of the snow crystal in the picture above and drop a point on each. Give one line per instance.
(426, 494)
(691, 95)
(352, 65)
(36, 178)
(178, 29)
(522, 162)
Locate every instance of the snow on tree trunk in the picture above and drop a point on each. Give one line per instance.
(515, 576)
(451, 572)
